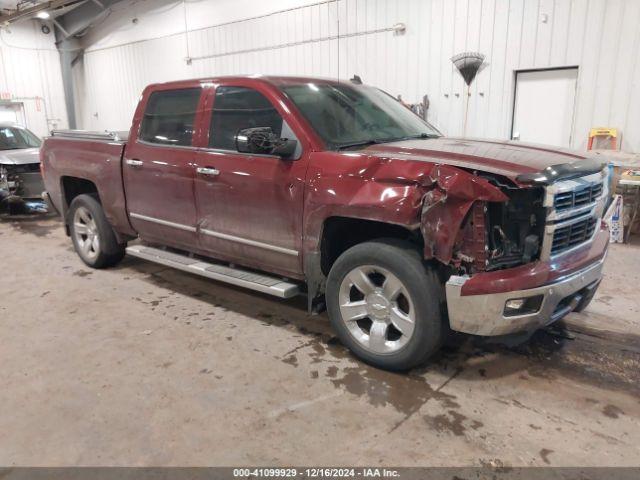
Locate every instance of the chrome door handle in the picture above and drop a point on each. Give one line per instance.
(208, 171)
(133, 162)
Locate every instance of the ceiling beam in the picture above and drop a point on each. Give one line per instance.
(30, 12)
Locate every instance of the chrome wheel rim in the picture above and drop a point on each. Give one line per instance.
(86, 233)
(377, 309)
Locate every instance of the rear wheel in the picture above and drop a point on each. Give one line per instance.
(385, 304)
(92, 235)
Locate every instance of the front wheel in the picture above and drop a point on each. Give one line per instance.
(385, 304)
(92, 235)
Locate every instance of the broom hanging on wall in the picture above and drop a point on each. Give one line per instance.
(468, 64)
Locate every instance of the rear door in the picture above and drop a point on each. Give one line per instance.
(158, 167)
(249, 205)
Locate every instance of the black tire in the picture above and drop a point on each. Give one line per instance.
(108, 252)
(426, 292)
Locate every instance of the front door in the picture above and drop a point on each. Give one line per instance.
(249, 206)
(158, 169)
(544, 106)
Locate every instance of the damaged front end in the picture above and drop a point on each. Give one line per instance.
(476, 223)
(21, 187)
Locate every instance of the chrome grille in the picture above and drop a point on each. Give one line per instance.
(574, 209)
(572, 235)
(578, 197)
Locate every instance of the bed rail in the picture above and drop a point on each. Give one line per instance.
(89, 135)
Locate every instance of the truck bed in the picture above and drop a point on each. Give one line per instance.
(92, 156)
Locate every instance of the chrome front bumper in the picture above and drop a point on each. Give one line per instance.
(484, 314)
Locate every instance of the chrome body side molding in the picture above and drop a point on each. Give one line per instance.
(252, 243)
(159, 221)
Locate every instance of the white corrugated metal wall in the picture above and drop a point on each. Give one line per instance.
(30, 74)
(338, 38)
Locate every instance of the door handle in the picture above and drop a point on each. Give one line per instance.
(208, 171)
(134, 162)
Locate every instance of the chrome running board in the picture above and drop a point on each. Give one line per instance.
(235, 276)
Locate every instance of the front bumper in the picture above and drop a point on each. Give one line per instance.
(484, 314)
(21, 188)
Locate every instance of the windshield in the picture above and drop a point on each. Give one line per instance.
(14, 138)
(349, 116)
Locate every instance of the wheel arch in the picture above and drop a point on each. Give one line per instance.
(340, 233)
(70, 188)
(337, 234)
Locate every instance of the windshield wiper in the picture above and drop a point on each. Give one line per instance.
(413, 137)
(375, 141)
(364, 143)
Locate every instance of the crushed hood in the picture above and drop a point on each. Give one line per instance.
(23, 156)
(511, 159)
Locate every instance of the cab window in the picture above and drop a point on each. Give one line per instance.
(170, 117)
(237, 108)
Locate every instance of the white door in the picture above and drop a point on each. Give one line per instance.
(544, 104)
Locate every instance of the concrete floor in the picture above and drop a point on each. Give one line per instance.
(143, 365)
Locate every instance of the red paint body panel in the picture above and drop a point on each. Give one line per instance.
(255, 197)
(538, 273)
(351, 184)
(95, 161)
(163, 186)
(426, 184)
(507, 158)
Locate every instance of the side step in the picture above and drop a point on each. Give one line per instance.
(235, 276)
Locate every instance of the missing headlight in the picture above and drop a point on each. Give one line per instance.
(515, 228)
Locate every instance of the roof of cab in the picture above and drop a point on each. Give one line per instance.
(273, 80)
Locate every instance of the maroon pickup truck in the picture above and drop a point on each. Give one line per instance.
(336, 191)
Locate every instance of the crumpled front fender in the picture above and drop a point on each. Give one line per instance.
(446, 205)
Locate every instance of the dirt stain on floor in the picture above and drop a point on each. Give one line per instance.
(544, 454)
(606, 299)
(612, 411)
(32, 224)
(609, 362)
(82, 273)
(407, 393)
(451, 422)
(291, 360)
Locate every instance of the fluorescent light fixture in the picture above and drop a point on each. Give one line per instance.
(43, 14)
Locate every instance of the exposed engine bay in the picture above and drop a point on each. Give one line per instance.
(498, 235)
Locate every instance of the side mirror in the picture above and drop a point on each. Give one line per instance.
(262, 140)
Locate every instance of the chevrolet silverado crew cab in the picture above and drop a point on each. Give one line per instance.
(337, 191)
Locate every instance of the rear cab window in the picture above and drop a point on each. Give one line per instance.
(169, 117)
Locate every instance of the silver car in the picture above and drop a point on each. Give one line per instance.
(20, 178)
